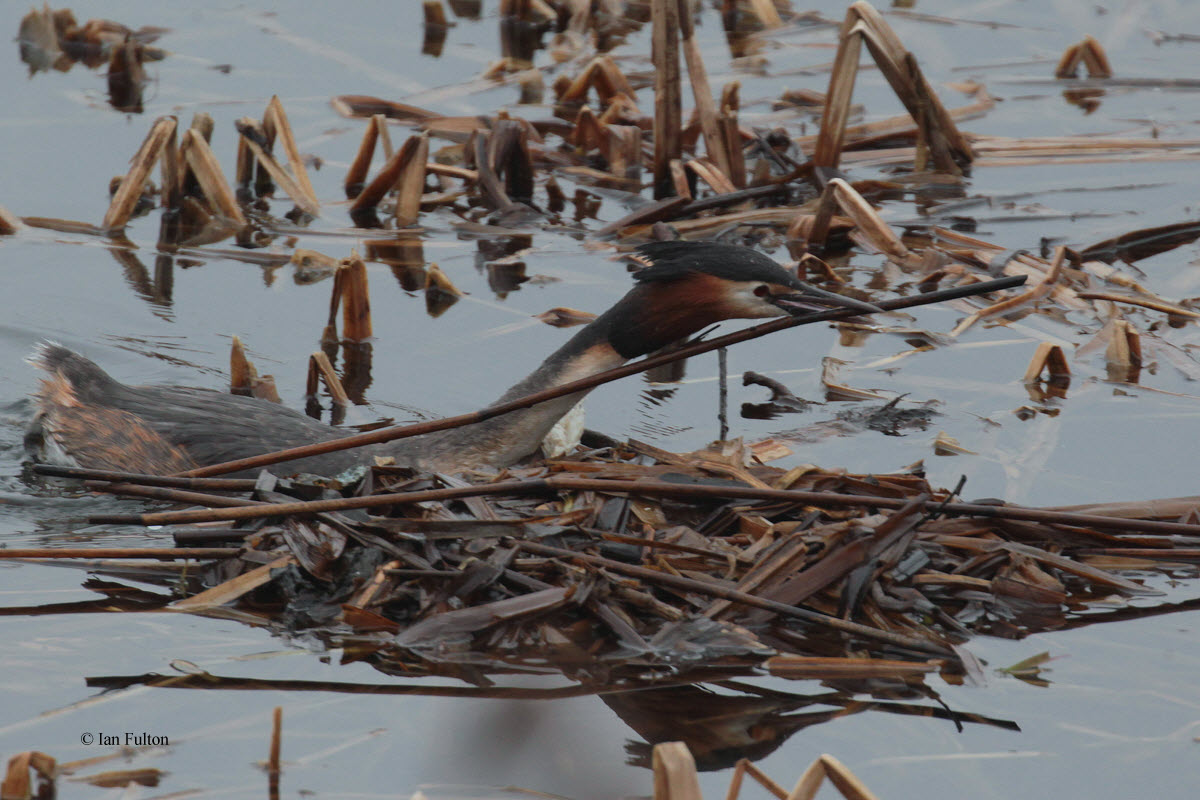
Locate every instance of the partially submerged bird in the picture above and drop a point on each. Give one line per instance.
(86, 418)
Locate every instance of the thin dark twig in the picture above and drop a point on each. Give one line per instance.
(120, 552)
(113, 476)
(556, 483)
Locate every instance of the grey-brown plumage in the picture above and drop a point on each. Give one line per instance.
(87, 418)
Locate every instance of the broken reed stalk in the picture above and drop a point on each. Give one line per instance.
(241, 372)
(273, 768)
(411, 185)
(675, 776)
(836, 114)
(355, 300)
(171, 172)
(556, 483)
(390, 434)
(10, 223)
(706, 109)
(947, 146)
(1091, 54)
(682, 583)
(508, 154)
(170, 495)
(276, 116)
(130, 189)
(388, 176)
(668, 127)
(356, 175)
(840, 194)
(255, 137)
(112, 476)
(202, 124)
(120, 552)
(320, 368)
(199, 156)
(208, 681)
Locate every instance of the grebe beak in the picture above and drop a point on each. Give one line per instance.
(811, 298)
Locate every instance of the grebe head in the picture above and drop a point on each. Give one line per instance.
(687, 286)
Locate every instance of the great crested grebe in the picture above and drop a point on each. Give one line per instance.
(86, 418)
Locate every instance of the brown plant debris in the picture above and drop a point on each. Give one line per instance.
(54, 39)
(682, 560)
(1090, 55)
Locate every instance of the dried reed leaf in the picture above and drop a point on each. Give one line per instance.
(17, 782)
(1152, 303)
(313, 260)
(130, 189)
(356, 174)
(706, 110)
(675, 776)
(829, 143)
(1123, 357)
(436, 280)
(705, 226)
(1050, 359)
(320, 366)
(199, 156)
(877, 232)
(766, 12)
(668, 125)
(846, 781)
(233, 588)
(358, 105)
(411, 184)
(806, 667)
(768, 450)
(127, 75)
(254, 136)
(275, 115)
(1090, 53)
(242, 373)
(835, 389)
(936, 126)
(711, 174)
(946, 445)
(355, 296)
(10, 223)
(388, 176)
(440, 627)
(435, 14)
(122, 778)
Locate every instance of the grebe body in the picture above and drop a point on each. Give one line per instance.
(86, 418)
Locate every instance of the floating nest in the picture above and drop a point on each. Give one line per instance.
(632, 563)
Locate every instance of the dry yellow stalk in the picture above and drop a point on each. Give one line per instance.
(1049, 358)
(320, 366)
(1123, 357)
(867, 219)
(275, 115)
(355, 299)
(130, 189)
(675, 776)
(252, 133)
(200, 158)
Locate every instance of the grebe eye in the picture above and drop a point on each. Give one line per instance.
(762, 290)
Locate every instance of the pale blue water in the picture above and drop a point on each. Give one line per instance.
(1121, 714)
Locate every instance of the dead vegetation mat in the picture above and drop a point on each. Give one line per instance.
(632, 562)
